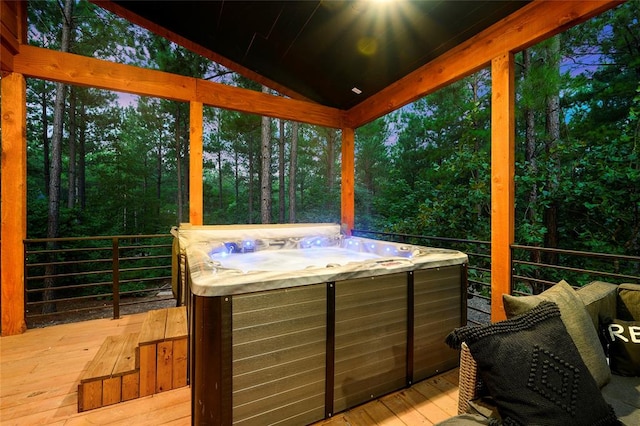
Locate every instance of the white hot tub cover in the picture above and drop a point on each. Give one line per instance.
(235, 259)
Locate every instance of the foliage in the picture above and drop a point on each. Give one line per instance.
(424, 169)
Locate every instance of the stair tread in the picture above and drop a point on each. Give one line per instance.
(126, 362)
(153, 327)
(176, 327)
(101, 366)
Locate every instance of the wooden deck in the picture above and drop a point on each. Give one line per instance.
(40, 371)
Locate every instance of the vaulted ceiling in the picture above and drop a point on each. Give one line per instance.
(336, 53)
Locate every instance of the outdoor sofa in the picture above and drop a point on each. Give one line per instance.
(563, 357)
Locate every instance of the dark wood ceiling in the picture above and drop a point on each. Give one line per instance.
(322, 50)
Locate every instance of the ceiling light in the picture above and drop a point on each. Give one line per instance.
(356, 90)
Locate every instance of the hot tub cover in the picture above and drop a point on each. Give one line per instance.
(236, 259)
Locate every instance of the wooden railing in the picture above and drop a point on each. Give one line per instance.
(73, 276)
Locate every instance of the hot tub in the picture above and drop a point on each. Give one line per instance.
(291, 324)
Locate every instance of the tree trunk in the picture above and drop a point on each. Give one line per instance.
(332, 139)
(82, 156)
(293, 165)
(159, 172)
(532, 167)
(45, 139)
(71, 178)
(552, 138)
(251, 167)
(236, 179)
(178, 149)
(56, 163)
(281, 189)
(220, 203)
(265, 176)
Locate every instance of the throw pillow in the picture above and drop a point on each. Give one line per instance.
(534, 372)
(575, 319)
(624, 347)
(629, 302)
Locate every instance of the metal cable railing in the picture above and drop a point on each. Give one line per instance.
(534, 269)
(478, 269)
(72, 276)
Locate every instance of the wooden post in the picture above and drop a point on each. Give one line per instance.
(195, 163)
(502, 179)
(347, 192)
(13, 202)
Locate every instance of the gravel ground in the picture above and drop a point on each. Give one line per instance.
(103, 309)
(474, 306)
(94, 309)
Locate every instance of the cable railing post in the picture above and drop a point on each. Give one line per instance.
(116, 278)
(25, 281)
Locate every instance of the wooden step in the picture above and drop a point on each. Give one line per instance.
(111, 376)
(162, 351)
(138, 364)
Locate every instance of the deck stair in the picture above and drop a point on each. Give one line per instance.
(138, 364)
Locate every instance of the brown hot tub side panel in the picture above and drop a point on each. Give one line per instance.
(297, 355)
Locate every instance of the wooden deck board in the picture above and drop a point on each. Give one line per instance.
(176, 327)
(40, 371)
(154, 327)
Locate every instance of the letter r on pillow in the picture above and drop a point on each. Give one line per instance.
(616, 330)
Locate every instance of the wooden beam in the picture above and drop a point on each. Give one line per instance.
(195, 164)
(347, 192)
(233, 98)
(13, 203)
(535, 22)
(13, 31)
(79, 70)
(502, 179)
(85, 71)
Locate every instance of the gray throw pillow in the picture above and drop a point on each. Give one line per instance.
(576, 320)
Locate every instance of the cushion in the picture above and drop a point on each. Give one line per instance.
(534, 372)
(575, 319)
(624, 347)
(464, 420)
(623, 394)
(600, 300)
(629, 302)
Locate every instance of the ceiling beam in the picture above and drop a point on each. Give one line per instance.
(537, 21)
(79, 70)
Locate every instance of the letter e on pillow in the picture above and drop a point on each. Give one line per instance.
(634, 332)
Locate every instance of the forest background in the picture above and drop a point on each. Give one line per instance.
(104, 163)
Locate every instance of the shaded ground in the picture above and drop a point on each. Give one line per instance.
(83, 310)
(474, 314)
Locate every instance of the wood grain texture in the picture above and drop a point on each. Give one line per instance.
(85, 71)
(176, 327)
(164, 366)
(347, 193)
(34, 393)
(502, 179)
(154, 326)
(147, 362)
(195, 163)
(13, 227)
